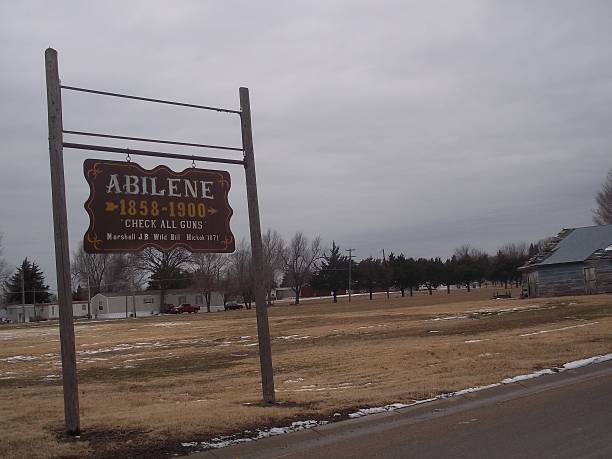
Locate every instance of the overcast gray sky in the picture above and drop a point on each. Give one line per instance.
(410, 126)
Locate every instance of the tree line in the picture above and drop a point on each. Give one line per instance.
(466, 267)
(295, 263)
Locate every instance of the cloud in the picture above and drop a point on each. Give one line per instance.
(408, 126)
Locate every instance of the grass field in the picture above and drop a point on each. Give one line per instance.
(146, 385)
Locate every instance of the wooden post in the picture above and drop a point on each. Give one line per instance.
(62, 251)
(263, 328)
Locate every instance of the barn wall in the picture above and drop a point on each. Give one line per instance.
(603, 274)
(559, 280)
(568, 279)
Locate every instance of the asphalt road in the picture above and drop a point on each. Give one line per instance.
(565, 415)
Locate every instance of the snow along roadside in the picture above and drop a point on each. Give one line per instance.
(566, 366)
(249, 435)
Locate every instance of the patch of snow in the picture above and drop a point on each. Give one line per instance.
(559, 329)
(450, 318)
(122, 347)
(4, 337)
(475, 340)
(535, 374)
(378, 409)
(167, 324)
(468, 422)
(19, 358)
(469, 390)
(584, 362)
(248, 436)
(293, 337)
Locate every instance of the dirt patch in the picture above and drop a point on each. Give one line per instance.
(140, 379)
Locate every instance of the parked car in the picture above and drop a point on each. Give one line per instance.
(187, 307)
(232, 305)
(171, 309)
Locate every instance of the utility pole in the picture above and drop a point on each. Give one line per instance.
(88, 297)
(263, 327)
(62, 250)
(384, 267)
(350, 285)
(23, 291)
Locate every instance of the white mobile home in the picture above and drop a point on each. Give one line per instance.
(142, 304)
(42, 311)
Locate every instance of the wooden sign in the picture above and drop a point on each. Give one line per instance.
(131, 208)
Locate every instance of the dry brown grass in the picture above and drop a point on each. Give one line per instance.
(148, 384)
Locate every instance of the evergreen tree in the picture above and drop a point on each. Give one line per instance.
(431, 271)
(397, 265)
(367, 274)
(404, 272)
(166, 269)
(385, 274)
(333, 273)
(169, 277)
(449, 273)
(28, 278)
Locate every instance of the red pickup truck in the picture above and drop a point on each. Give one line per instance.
(186, 307)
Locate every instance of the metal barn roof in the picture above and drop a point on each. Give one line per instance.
(580, 244)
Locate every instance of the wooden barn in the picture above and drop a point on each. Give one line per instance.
(577, 261)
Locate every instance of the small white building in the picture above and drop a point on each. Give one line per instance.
(142, 304)
(281, 293)
(19, 313)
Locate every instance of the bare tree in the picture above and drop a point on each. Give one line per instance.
(299, 259)
(241, 273)
(273, 246)
(505, 264)
(3, 266)
(104, 272)
(472, 265)
(603, 214)
(90, 269)
(165, 269)
(4, 272)
(207, 274)
(515, 250)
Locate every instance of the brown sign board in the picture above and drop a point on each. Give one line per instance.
(131, 208)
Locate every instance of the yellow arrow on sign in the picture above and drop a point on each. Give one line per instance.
(111, 206)
(212, 210)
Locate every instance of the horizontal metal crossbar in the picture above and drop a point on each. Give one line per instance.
(158, 154)
(148, 99)
(142, 139)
